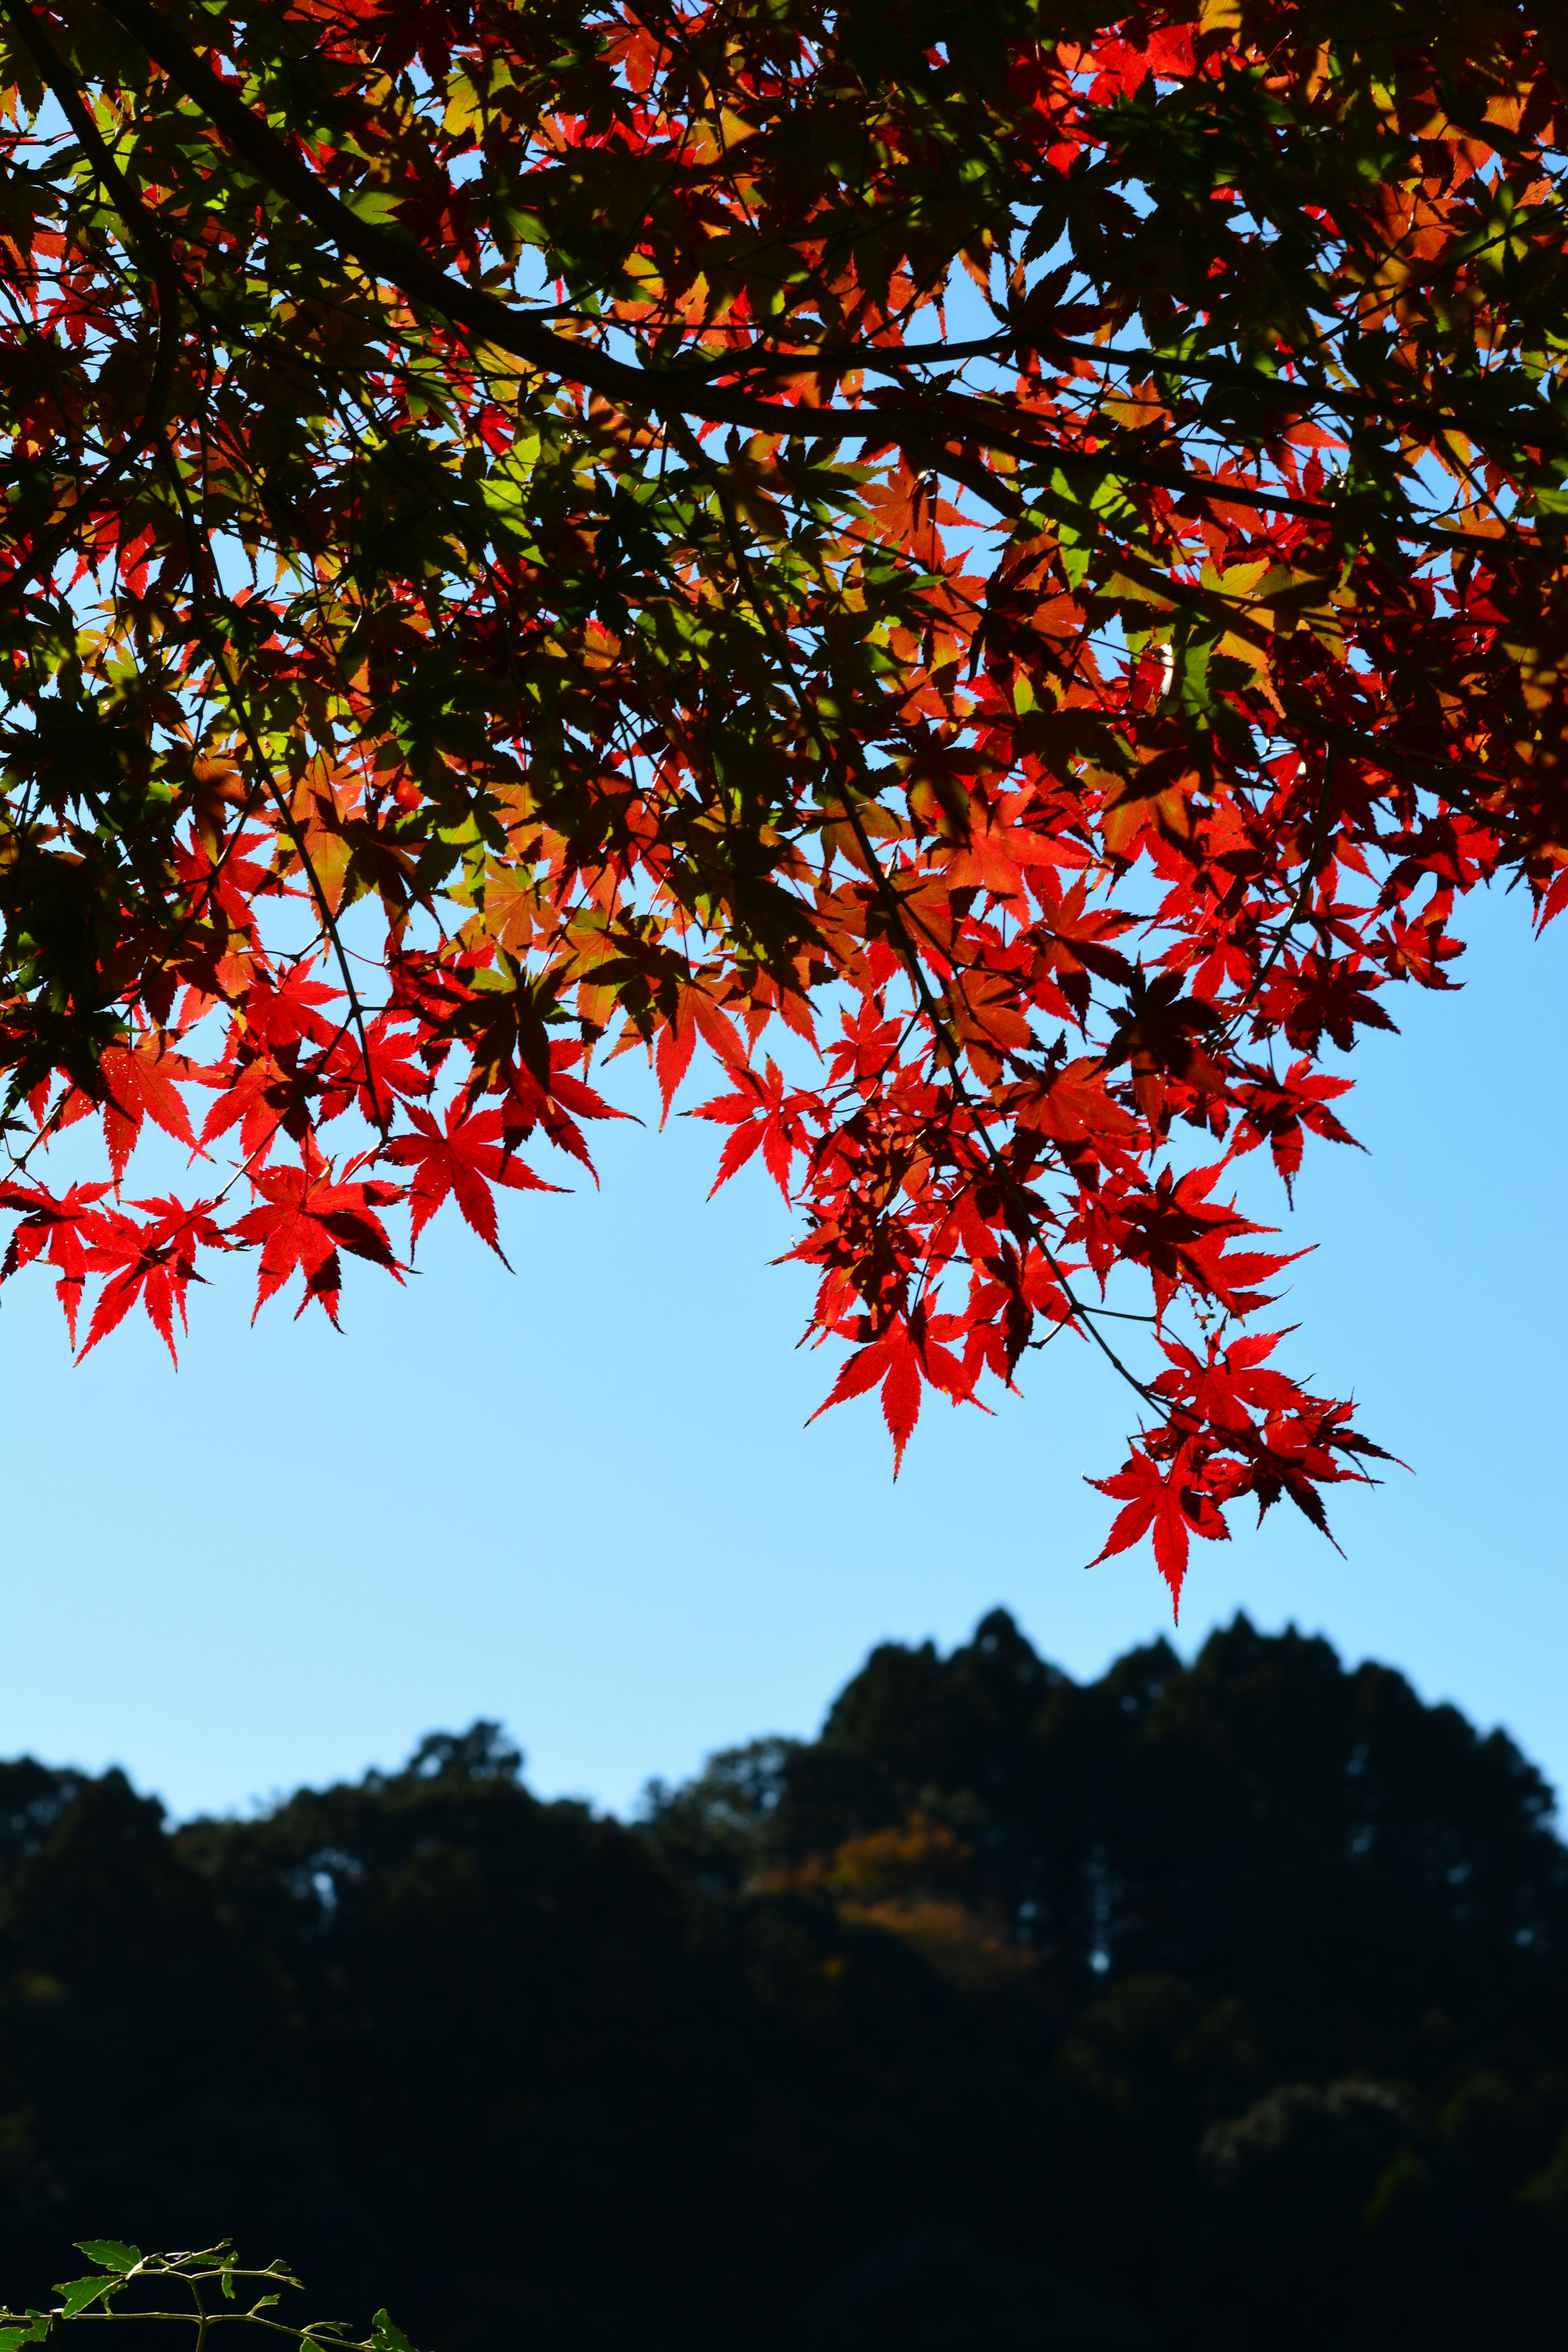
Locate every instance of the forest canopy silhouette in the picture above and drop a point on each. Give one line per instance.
(1204, 2005)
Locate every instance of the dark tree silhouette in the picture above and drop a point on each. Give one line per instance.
(1200, 2006)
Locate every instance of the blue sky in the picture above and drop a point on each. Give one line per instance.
(582, 1499)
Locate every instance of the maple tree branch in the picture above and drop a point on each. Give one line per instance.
(684, 745)
(263, 776)
(1120, 1315)
(667, 392)
(1294, 395)
(757, 358)
(387, 257)
(1000, 495)
(1280, 390)
(1317, 858)
(328, 923)
(1004, 1175)
(785, 652)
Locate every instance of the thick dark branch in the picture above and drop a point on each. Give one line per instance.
(1294, 395)
(1297, 394)
(926, 424)
(388, 258)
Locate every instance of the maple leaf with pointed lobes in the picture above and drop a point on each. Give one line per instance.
(1170, 1228)
(153, 1262)
(1004, 1297)
(1278, 1109)
(382, 1060)
(1167, 1501)
(303, 1220)
(1227, 1388)
(138, 1084)
(1416, 949)
(1310, 1445)
(910, 1352)
(1074, 942)
(1071, 1104)
(759, 1112)
(696, 1015)
(285, 1010)
(1316, 993)
(51, 1230)
(464, 1160)
(526, 1104)
(257, 1095)
(1158, 1036)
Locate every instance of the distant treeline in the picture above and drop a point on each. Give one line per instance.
(1205, 2008)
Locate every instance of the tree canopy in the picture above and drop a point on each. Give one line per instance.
(996, 569)
(1188, 2010)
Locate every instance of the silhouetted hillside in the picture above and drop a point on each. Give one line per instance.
(1196, 2007)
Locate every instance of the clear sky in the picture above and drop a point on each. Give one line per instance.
(582, 1500)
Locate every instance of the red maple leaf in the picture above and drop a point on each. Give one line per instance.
(760, 1111)
(1318, 993)
(527, 1103)
(1279, 1109)
(52, 1230)
(1229, 1386)
(904, 1356)
(153, 1262)
(138, 1084)
(302, 1223)
(1167, 1500)
(465, 1160)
